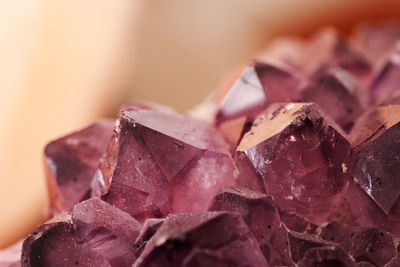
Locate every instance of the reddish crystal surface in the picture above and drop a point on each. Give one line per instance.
(149, 228)
(202, 239)
(72, 162)
(160, 163)
(299, 153)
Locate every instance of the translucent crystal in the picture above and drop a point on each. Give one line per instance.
(71, 163)
(300, 154)
(160, 163)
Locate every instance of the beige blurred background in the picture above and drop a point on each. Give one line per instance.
(66, 63)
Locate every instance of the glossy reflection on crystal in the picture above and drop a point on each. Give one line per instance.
(300, 155)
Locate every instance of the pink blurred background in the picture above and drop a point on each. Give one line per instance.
(66, 63)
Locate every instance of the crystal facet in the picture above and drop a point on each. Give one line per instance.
(98, 234)
(162, 163)
(337, 93)
(300, 155)
(72, 162)
(202, 239)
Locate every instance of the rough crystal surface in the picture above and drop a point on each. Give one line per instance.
(257, 211)
(160, 163)
(72, 162)
(54, 245)
(202, 239)
(300, 154)
(93, 215)
(97, 235)
(300, 243)
(363, 244)
(375, 168)
(327, 256)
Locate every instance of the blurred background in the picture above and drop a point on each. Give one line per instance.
(66, 63)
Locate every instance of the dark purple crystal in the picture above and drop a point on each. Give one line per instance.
(202, 239)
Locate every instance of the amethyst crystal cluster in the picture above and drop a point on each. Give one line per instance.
(299, 167)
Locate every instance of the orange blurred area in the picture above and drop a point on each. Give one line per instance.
(66, 63)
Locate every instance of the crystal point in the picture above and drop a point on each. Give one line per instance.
(72, 162)
(299, 153)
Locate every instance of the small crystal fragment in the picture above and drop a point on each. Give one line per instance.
(71, 163)
(54, 245)
(202, 239)
(298, 152)
(161, 162)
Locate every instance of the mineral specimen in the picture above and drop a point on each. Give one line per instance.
(71, 163)
(271, 178)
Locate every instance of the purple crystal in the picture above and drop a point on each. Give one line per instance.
(202, 239)
(93, 215)
(300, 154)
(72, 162)
(364, 244)
(98, 235)
(297, 223)
(338, 94)
(149, 228)
(377, 39)
(256, 209)
(327, 257)
(259, 85)
(162, 163)
(54, 245)
(375, 167)
(300, 243)
(387, 80)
